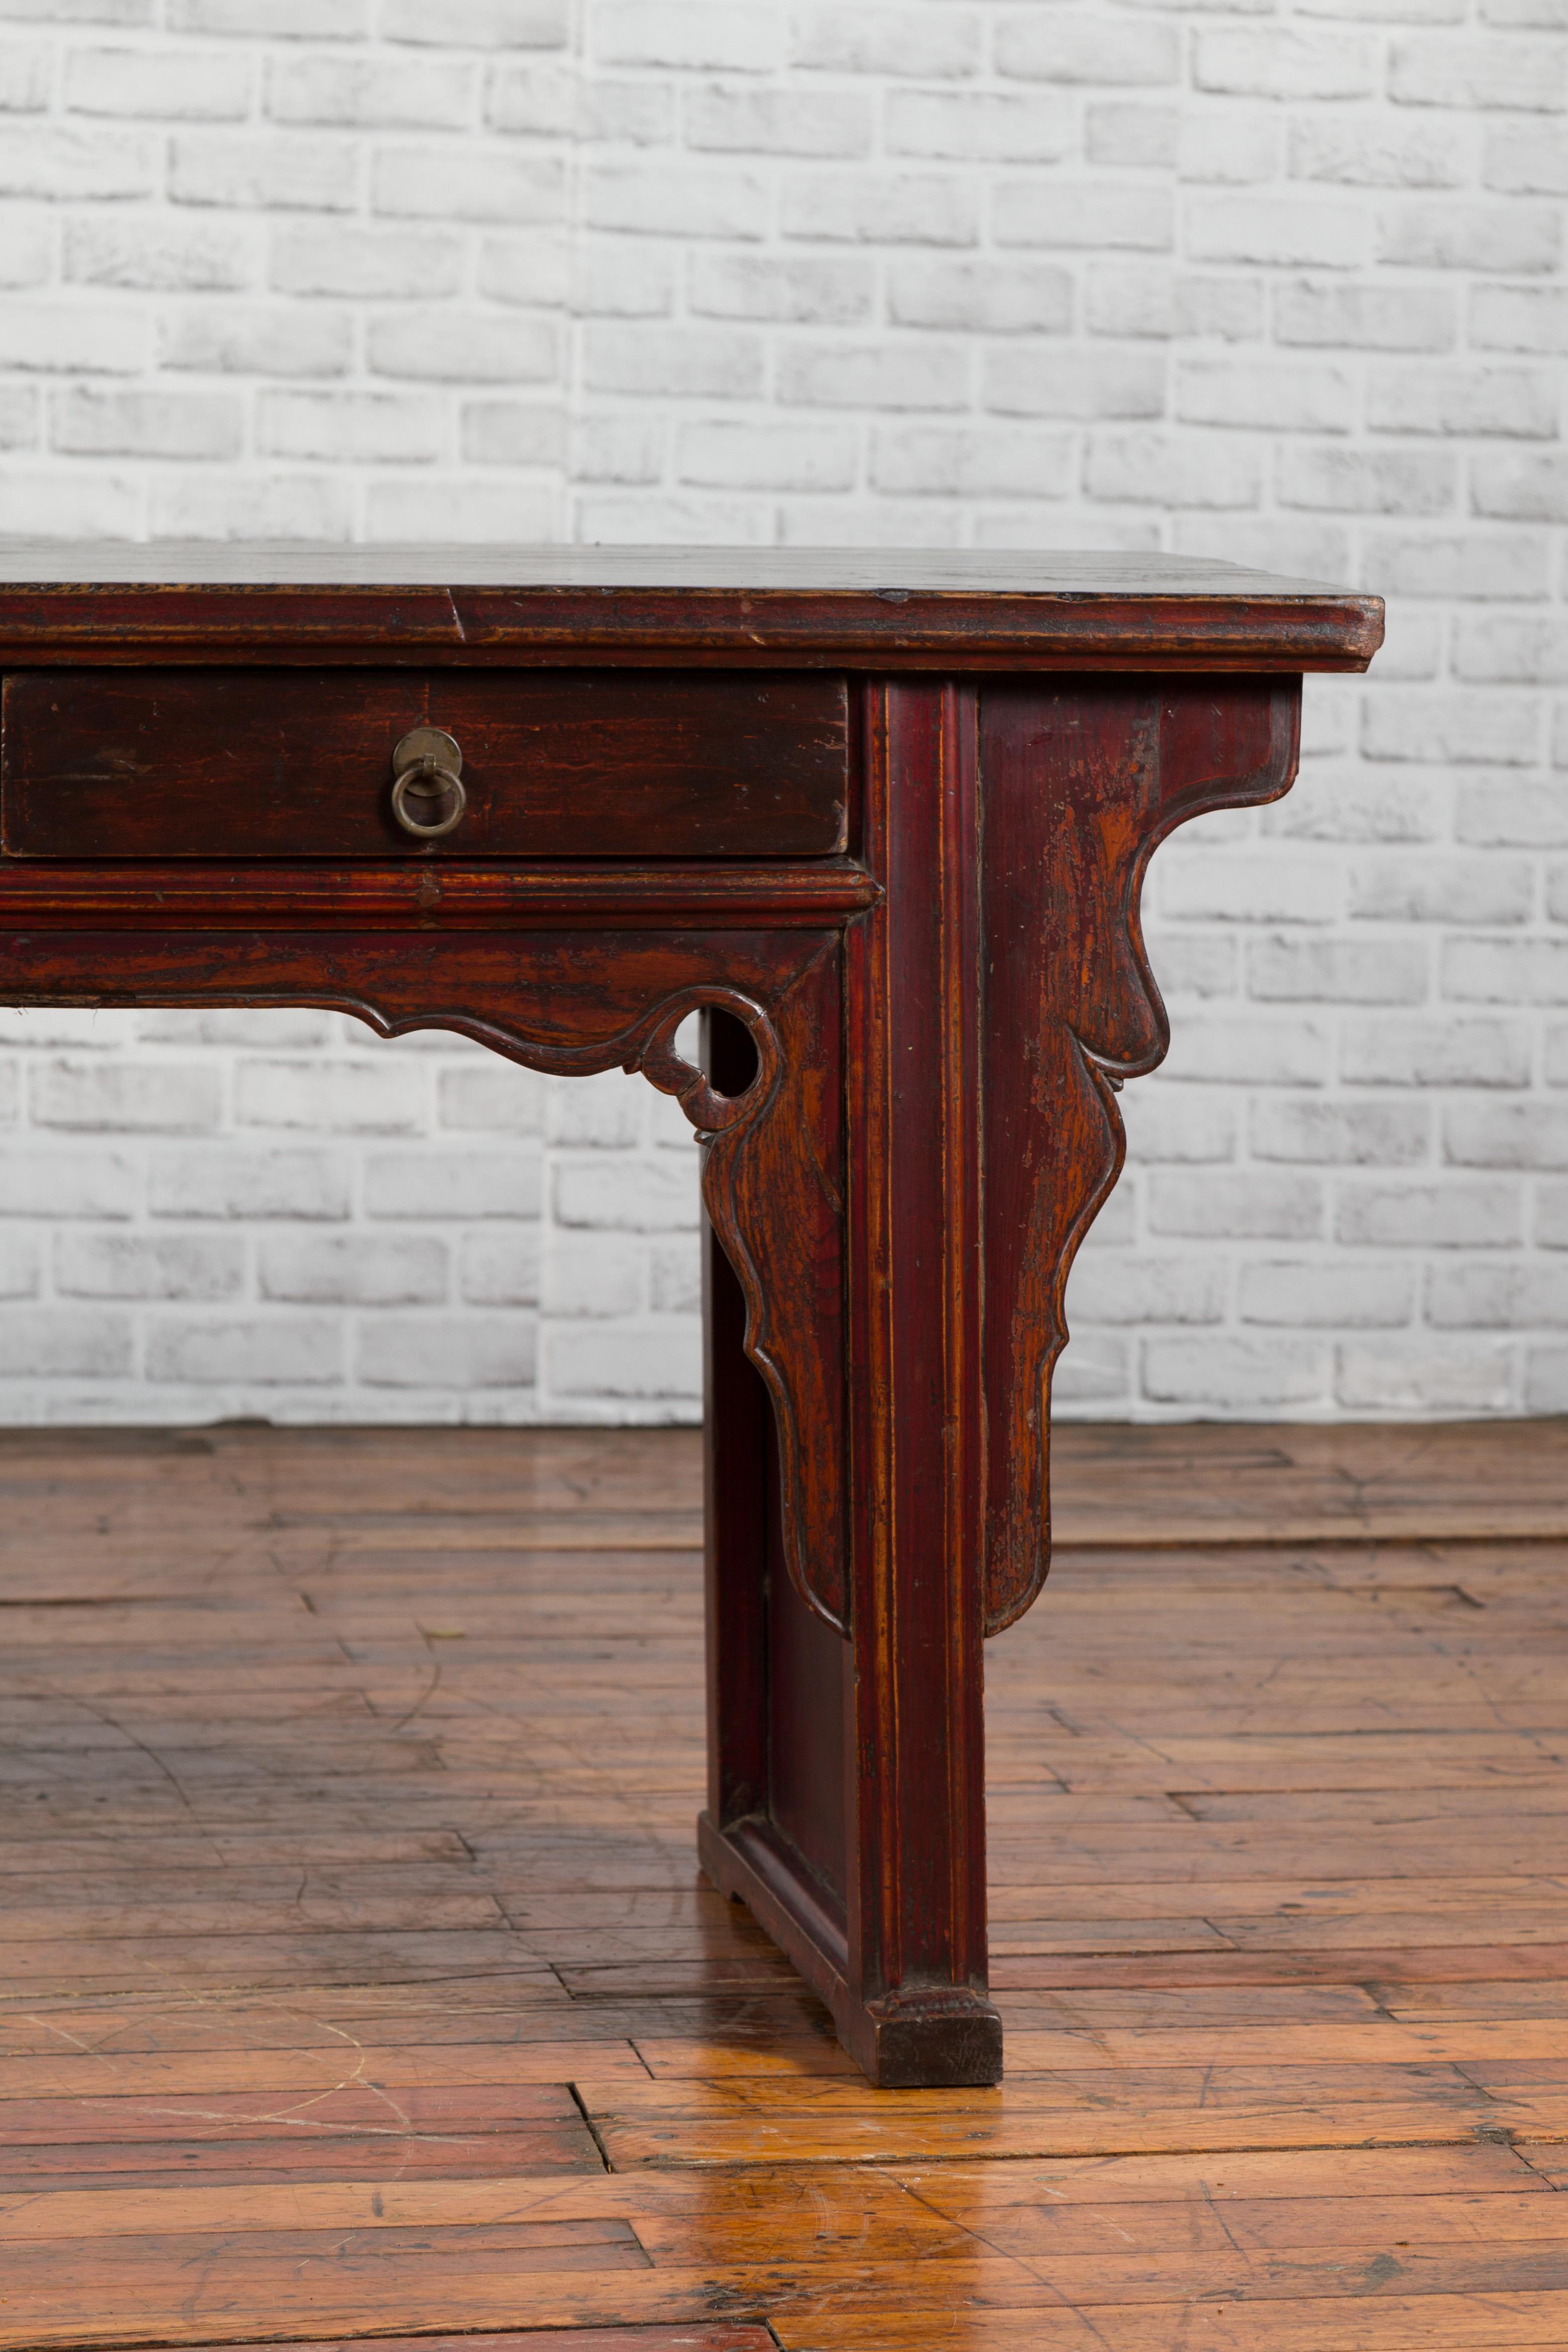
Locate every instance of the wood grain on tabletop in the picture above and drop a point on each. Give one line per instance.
(357, 1985)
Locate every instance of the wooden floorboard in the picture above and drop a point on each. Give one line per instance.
(358, 1986)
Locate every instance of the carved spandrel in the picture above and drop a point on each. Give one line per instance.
(573, 1003)
(1080, 784)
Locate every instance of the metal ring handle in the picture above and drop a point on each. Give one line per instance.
(428, 781)
(427, 765)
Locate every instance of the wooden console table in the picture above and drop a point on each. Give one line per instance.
(881, 819)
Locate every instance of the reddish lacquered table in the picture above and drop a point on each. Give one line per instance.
(882, 820)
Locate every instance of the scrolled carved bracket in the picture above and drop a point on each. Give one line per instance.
(772, 1188)
(1081, 788)
(572, 1002)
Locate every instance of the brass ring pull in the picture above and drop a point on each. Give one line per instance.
(427, 766)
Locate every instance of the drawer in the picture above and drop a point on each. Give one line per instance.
(300, 763)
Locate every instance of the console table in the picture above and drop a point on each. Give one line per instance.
(882, 820)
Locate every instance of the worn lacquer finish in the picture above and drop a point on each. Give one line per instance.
(882, 822)
(1080, 782)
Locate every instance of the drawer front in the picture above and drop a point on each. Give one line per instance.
(298, 763)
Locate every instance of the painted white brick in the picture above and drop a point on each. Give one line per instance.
(1524, 1134)
(980, 297)
(648, 200)
(1382, 317)
(750, 122)
(495, 1097)
(1460, 727)
(71, 163)
(526, 269)
(442, 1186)
(1495, 1294)
(467, 181)
(1441, 70)
(256, 172)
(634, 1192)
(723, 456)
(924, 43)
(1180, 1123)
(386, 92)
(958, 126)
(257, 340)
(160, 254)
(657, 1362)
(1095, 1371)
(374, 264)
(815, 289)
(120, 1098)
(447, 1351)
(1256, 1203)
(1309, 970)
(184, 85)
(1508, 237)
(840, 374)
(594, 1273)
(230, 1180)
(353, 1269)
(421, 344)
(1040, 381)
(1279, 396)
(1109, 1287)
(149, 1266)
(1249, 887)
(1280, 231)
(1327, 1292)
(1127, 133)
(1526, 486)
(1100, 212)
(1368, 481)
(1417, 1377)
(714, 36)
(875, 208)
(356, 427)
(1428, 1052)
(26, 77)
(260, 1351)
(1482, 401)
(36, 1180)
(1037, 45)
(229, 506)
(1461, 1212)
(56, 1342)
(1248, 1376)
(1518, 318)
(956, 461)
(1527, 158)
(385, 1096)
(1135, 467)
(1395, 1133)
(466, 513)
(74, 339)
(1445, 888)
(501, 1268)
(88, 421)
(514, 432)
(1360, 149)
(1285, 62)
(335, 20)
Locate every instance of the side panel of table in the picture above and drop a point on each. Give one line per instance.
(994, 1001)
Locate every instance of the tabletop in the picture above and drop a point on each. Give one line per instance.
(910, 607)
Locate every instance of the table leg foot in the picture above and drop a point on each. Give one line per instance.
(919, 2037)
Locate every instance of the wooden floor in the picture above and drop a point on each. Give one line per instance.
(359, 1984)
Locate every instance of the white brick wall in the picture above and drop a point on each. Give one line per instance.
(1281, 280)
